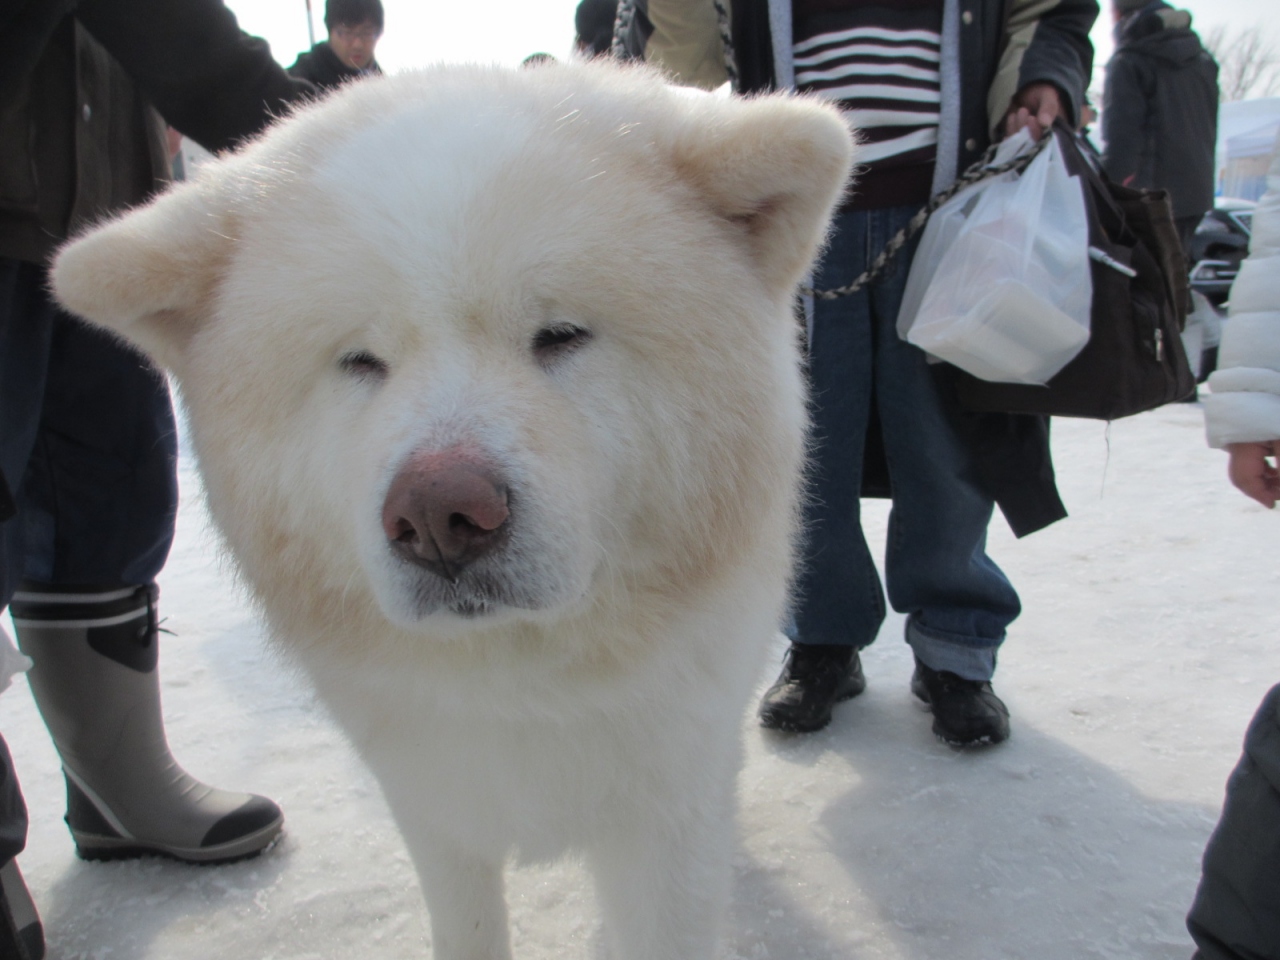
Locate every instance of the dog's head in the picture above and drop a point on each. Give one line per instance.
(476, 344)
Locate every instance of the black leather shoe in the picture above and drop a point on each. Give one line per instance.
(966, 713)
(814, 679)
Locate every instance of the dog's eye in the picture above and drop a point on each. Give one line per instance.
(363, 365)
(551, 343)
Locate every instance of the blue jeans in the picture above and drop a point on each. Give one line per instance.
(87, 444)
(958, 602)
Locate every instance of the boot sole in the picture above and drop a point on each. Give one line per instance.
(986, 740)
(99, 848)
(783, 725)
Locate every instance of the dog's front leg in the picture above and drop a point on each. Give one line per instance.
(461, 883)
(464, 894)
(663, 879)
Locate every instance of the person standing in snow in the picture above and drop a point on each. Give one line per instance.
(1236, 912)
(355, 27)
(1160, 109)
(88, 446)
(930, 84)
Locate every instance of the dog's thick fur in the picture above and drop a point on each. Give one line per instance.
(580, 282)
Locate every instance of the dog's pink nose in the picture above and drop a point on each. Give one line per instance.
(444, 511)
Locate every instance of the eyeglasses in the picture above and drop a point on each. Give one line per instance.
(348, 34)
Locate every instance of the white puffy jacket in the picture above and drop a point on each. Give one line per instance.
(1245, 404)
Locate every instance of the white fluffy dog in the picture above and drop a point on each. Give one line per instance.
(493, 381)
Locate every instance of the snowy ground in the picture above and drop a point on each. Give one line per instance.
(1151, 631)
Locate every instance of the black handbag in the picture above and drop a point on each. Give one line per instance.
(1134, 360)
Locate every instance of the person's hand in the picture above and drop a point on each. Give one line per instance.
(1253, 473)
(1035, 107)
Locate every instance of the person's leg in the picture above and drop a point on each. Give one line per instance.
(839, 604)
(26, 329)
(839, 597)
(21, 933)
(97, 506)
(13, 809)
(1186, 227)
(958, 602)
(100, 493)
(1236, 911)
(25, 326)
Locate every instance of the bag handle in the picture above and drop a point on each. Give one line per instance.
(1105, 213)
(976, 173)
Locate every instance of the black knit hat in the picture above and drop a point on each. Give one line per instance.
(1129, 6)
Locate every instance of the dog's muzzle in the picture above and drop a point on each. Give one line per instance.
(446, 510)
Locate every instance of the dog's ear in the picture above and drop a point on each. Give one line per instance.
(150, 274)
(775, 167)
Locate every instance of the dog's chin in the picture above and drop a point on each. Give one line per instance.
(418, 600)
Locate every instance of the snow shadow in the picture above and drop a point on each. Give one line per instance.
(121, 909)
(872, 839)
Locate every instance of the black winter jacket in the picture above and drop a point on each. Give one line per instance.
(78, 136)
(321, 66)
(1236, 913)
(1160, 109)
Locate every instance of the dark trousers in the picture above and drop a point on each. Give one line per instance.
(13, 811)
(1186, 227)
(87, 446)
(958, 602)
(1236, 913)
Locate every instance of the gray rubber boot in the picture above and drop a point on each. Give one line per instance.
(96, 685)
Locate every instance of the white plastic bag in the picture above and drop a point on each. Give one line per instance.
(1000, 284)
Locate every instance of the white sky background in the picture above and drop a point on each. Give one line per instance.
(424, 31)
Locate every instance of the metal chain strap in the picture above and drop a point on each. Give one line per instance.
(621, 25)
(981, 170)
(726, 40)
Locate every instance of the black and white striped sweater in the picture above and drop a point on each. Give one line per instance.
(880, 62)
